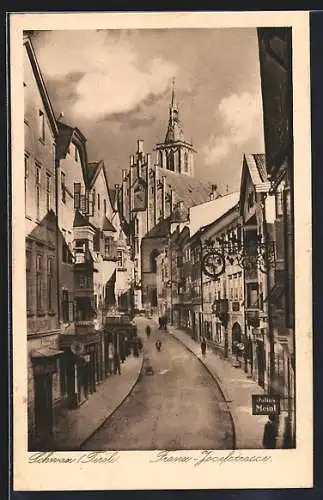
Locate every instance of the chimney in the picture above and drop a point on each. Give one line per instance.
(140, 146)
(132, 160)
(148, 160)
(124, 174)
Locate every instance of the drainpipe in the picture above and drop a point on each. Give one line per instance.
(202, 295)
(58, 260)
(270, 325)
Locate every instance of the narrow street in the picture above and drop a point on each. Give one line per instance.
(179, 406)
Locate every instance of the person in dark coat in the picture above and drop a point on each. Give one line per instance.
(270, 433)
(203, 346)
(148, 331)
(117, 363)
(160, 323)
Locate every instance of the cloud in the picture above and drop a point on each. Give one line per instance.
(241, 116)
(105, 72)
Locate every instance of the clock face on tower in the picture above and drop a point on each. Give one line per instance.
(213, 264)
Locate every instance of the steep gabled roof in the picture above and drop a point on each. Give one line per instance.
(209, 212)
(108, 226)
(93, 169)
(256, 164)
(81, 221)
(40, 83)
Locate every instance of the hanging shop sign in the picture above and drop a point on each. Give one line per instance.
(77, 348)
(213, 264)
(265, 404)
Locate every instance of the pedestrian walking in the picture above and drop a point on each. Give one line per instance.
(148, 331)
(203, 346)
(117, 363)
(160, 322)
(270, 433)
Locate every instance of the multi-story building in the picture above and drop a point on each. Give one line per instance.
(275, 54)
(41, 249)
(256, 209)
(223, 309)
(78, 265)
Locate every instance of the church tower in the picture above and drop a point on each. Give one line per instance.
(175, 154)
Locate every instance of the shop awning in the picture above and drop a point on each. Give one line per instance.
(85, 339)
(45, 352)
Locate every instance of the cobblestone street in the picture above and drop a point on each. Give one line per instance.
(178, 407)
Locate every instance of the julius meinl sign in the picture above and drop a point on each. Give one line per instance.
(265, 404)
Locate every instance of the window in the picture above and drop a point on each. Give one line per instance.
(279, 203)
(29, 281)
(41, 126)
(39, 282)
(109, 247)
(120, 264)
(179, 259)
(26, 173)
(105, 206)
(50, 284)
(251, 200)
(136, 226)
(76, 156)
(153, 260)
(77, 195)
(252, 295)
(65, 306)
(186, 162)
(83, 281)
(98, 201)
(63, 187)
(48, 191)
(38, 178)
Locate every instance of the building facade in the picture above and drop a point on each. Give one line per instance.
(78, 265)
(43, 324)
(275, 54)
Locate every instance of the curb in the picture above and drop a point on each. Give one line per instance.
(137, 379)
(227, 400)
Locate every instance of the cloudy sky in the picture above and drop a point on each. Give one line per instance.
(115, 86)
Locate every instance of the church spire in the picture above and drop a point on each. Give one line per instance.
(174, 130)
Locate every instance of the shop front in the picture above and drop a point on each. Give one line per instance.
(80, 370)
(45, 366)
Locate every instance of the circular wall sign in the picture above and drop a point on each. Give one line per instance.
(77, 348)
(213, 264)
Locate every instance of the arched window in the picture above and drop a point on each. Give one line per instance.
(160, 159)
(153, 261)
(171, 161)
(186, 161)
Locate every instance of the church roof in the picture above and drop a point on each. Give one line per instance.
(175, 129)
(191, 190)
(160, 230)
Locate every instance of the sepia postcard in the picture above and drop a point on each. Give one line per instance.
(161, 251)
